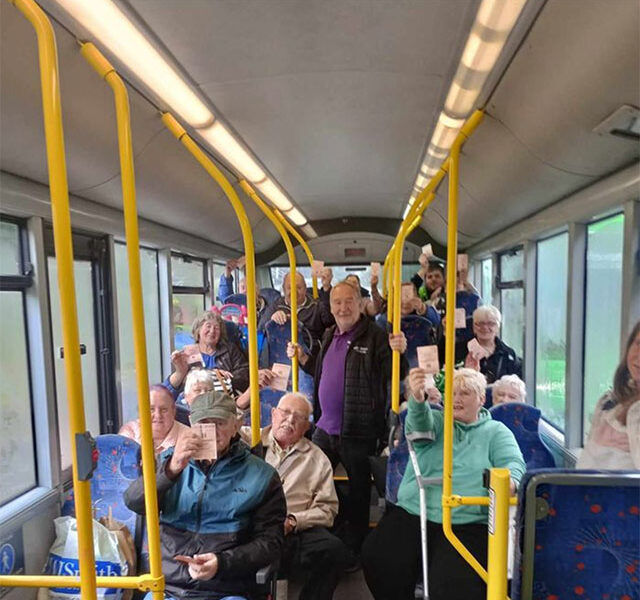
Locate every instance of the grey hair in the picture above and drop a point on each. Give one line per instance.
(208, 316)
(198, 376)
(352, 287)
(299, 396)
(511, 381)
(487, 311)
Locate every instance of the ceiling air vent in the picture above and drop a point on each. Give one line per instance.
(624, 123)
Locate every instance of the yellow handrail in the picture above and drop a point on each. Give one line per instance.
(59, 191)
(294, 232)
(247, 236)
(293, 295)
(452, 250)
(499, 484)
(125, 146)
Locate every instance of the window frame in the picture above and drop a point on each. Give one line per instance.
(187, 289)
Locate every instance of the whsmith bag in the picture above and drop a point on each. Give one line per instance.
(63, 558)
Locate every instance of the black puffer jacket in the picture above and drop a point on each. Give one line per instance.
(367, 375)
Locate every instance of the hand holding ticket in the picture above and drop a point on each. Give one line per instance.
(478, 351)
(281, 379)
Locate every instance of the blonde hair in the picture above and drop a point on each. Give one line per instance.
(511, 381)
(487, 311)
(470, 380)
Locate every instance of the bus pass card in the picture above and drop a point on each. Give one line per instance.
(207, 433)
(477, 351)
(375, 269)
(281, 379)
(194, 357)
(428, 359)
(316, 267)
(463, 262)
(460, 318)
(427, 250)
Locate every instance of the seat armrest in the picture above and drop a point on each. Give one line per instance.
(264, 575)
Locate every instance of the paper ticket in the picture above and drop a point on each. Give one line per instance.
(375, 269)
(207, 433)
(460, 318)
(281, 379)
(194, 357)
(463, 262)
(428, 359)
(408, 293)
(316, 267)
(478, 351)
(427, 250)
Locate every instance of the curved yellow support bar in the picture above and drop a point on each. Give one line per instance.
(247, 236)
(59, 191)
(294, 232)
(293, 296)
(125, 146)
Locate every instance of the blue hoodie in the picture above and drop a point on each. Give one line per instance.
(477, 446)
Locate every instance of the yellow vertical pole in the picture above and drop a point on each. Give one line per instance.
(385, 271)
(247, 236)
(499, 491)
(294, 232)
(107, 72)
(52, 111)
(389, 283)
(452, 250)
(293, 297)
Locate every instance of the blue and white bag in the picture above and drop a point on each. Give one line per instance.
(63, 558)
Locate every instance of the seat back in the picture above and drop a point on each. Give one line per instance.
(523, 420)
(418, 330)
(239, 299)
(118, 465)
(398, 459)
(233, 312)
(578, 535)
(270, 295)
(277, 338)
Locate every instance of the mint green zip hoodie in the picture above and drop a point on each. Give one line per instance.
(476, 446)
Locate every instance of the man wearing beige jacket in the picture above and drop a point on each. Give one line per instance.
(312, 504)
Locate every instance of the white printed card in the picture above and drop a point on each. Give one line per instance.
(281, 379)
(428, 359)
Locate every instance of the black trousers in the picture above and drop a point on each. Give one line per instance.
(354, 455)
(392, 559)
(318, 558)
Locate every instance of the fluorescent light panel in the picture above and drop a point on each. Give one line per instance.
(219, 137)
(296, 216)
(276, 197)
(309, 231)
(106, 22)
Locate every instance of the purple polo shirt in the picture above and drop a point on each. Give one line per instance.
(331, 387)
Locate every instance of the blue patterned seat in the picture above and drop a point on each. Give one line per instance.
(523, 420)
(239, 299)
(278, 336)
(118, 465)
(398, 460)
(578, 535)
(418, 330)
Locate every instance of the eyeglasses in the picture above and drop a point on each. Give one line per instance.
(491, 324)
(295, 417)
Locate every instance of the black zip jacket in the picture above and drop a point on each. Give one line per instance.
(367, 378)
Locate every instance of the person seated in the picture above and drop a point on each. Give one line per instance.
(199, 381)
(220, 517)
(312, 502)
(211, 350)
(313, 314)
(479, 443)
(165, 430)
(500, 359)
(614, 439)
(509, 388)
(351, 369)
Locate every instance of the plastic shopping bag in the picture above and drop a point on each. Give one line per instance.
(63, 558)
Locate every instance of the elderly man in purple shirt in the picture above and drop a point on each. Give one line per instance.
(351, 371)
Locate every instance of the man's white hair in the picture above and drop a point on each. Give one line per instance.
(198, 376)
(487, 311)
(511, 381)
(299, 396)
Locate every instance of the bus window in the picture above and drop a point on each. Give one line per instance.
(510, 284)
(602, 310)
(486, 280)
(17, 457)
(551, 327)
(190, 296)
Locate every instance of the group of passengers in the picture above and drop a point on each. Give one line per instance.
(223, 519)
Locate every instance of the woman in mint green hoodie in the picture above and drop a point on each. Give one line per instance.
(391, 556)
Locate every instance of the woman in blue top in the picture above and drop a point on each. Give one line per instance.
(391, 556)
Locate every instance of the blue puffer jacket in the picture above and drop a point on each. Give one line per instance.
(236, 509)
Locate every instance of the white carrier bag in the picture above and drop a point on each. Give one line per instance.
(63, 558)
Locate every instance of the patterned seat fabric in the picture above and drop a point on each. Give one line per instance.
(270, 295)
(523, 420)
(118, 465)
(579, 535)
(239, 299)
(398, 460)
(277, 337)
(418, 330)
